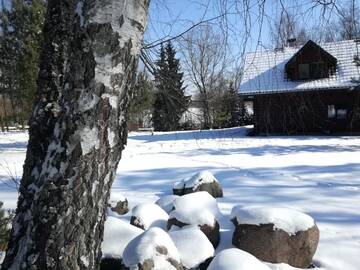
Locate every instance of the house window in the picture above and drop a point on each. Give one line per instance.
(331, 111)
(336, 113)
(341, 113)
(317, 70)
(304, 71)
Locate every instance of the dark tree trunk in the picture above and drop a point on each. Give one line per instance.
(6, 120)
(77, 132)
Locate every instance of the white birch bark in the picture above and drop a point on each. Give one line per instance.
(77, 132)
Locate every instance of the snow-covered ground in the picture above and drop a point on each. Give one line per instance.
(316, 175)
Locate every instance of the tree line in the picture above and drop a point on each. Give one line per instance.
(163, 102)
(21, 24)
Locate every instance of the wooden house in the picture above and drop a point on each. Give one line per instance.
(305, 90)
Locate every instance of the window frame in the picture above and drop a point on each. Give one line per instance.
(336, 112)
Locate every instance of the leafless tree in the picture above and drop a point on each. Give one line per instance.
(204, 55)
(348, 22)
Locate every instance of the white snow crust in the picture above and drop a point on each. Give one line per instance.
(150, 215)
(236, 259)
(143, 247)
(193, 246)
(200, 178)
(117, 234)
(289, 220)
(314, 174)
(197, 208)
(167, 202)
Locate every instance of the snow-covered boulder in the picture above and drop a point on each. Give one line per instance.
(153, 249)
(167, 202)
(276, 235)
(148, 215)
(117, 234)
(199, 209)
(236, 259)
(202, 181)
(120, 207)
(194, 247)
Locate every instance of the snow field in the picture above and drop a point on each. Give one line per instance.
(315, 175)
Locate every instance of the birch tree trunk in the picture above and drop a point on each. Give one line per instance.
(77, 132)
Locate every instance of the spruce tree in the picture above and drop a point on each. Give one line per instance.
(170, 99)
(233, 107)
(29, 61)
(141, 100)
(21, 32)
(160, 108)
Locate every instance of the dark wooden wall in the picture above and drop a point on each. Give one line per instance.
(306, 112)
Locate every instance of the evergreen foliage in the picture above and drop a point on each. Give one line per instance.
(141, 101)
(20, 44)
(170, 99)
(231, 110)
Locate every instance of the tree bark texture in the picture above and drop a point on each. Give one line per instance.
(77, 132)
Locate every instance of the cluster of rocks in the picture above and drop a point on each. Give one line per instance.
(182, 231)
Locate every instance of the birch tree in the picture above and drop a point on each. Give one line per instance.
(77, 132)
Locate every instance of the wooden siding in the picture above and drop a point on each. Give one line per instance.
(305, 112)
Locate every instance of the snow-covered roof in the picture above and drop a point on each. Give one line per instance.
(264, 70)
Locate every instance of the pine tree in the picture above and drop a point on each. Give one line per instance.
(227, 108)
(178, 101)
(141, 100)
(160, 108)
(29, 61)
(233, 106)
(170, 99)
(21, 37)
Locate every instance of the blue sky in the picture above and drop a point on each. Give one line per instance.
(171, 17)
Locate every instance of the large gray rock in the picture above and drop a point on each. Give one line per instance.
(121, 207)
(276, 235)
(202, 181)
(152, 250)
(212, 231)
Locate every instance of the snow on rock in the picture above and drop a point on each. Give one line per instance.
(167, 202)
(148, 215)
(236, 259)
(196, 208)
(117, 235)
(200, 178)
(193, 246)
(153, 246)
(201, 181)
(289, 220)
